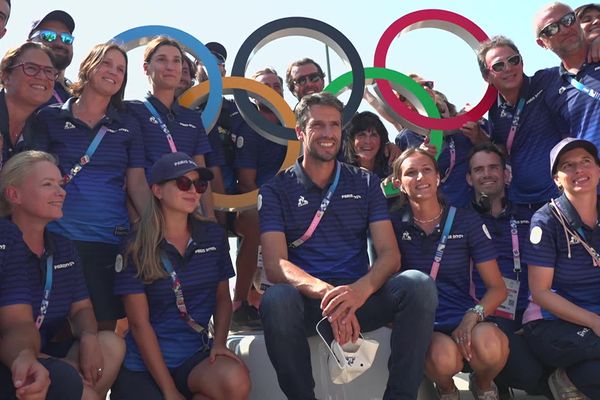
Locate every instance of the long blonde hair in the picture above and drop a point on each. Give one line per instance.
(15, 171)
(144, 249)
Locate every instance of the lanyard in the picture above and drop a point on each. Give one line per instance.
(582, 88)
(176, 285)
(321, 211)
(514, 234)
(86, 157)
(439, 252)
(452, 148)
(163, 126)
(47, 289)
(57, 97)
(514, 125)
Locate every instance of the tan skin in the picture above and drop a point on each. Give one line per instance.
(222, 375)
(36, 202)
(321, 138)
(483, 345)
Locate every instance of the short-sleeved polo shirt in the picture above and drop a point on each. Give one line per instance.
(538, 130)
(469, 239)
(205, 264)
(184, 124)
(94, 208)
(14, 286)
(575, 277)
(338, 247)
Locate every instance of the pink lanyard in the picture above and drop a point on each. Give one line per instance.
(57, 97)
(514, 125)
(162, 125)
(514, 233)
(452, 149)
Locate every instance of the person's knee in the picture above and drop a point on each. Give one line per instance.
(280, 298)
(443, 358)
(65, 381)
(489, 344)
(418, 288)
(236, 383)
(112, 346)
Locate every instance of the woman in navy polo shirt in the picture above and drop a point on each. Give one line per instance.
(166, 125)
(99, 147)
(460, 331)
(365, 144)
(32, 196)
(562, 322)
(27, 75)
(175, 279)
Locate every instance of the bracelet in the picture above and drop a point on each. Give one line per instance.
(478, 309)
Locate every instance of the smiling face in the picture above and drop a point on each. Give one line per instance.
(577, 172)
(108, 77)
(303, 84)
(63, 53)
(511, 77)
(33, 90)
(175, 200)
(568, 40)
(322, 134)
(366, 145)
(486, 174)
(590, 23)
(40, 195)
(164, 67)
(419, 178)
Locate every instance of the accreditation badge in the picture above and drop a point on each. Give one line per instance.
(509, 307)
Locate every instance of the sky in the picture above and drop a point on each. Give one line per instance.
(435, 54)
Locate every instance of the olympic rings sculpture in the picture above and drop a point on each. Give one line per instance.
(386, 80)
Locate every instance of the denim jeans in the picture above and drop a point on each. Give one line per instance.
(408, 300)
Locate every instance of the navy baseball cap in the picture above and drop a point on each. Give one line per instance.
(579, 11)
(56, 15)
(218, 50)
(569, 144)
(173, 165)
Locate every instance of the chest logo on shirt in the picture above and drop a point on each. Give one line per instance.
(205, 250)
(534, 97)
(239, 142)
(2, 247)
(302, 201)
(124, 130)
(69, 125)
(456, 236)
(64, 265)
(153, 120)
(562, 90)
(351, 196)
(187, 125)
(406, 236)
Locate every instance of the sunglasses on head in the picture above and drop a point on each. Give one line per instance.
(312, 78)
(184, 184)
(50, 36)
(500, 66)
(33, 69)
(552, 29)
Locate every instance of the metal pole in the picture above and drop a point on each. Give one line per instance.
(328, 64)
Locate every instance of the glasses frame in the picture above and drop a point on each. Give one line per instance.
(503, 63)
(44, 68)
(555, 26)
(312, 78)
(65, 37)
(184, 184)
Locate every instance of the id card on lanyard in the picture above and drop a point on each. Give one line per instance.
(47, 290)
(162, 125)
(508, 308)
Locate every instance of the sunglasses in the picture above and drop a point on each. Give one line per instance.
(50, 36)
(427, 84)
(500, 66)
(312, 78)
(553, 28)
(184, 184)
(33, 69)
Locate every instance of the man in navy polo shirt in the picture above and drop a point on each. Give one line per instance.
(521, 122)
(321, 268)
(574, 91)
(508, 224)
(55, 30)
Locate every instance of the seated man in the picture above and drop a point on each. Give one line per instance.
(321, 268)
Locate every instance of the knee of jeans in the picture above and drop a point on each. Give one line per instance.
(66, 383)
(419, 288)
(281, 301)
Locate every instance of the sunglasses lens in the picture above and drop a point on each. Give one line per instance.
(514, 60)
(66, 38)
(48, 36)
(568, 20)
(200, 186)
(498, 66)
(183, 183)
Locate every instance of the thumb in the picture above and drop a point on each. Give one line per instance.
(19, 375)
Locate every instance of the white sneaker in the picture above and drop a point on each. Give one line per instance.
(478, 394)
(562, 388)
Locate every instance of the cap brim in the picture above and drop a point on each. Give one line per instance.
(582, 144)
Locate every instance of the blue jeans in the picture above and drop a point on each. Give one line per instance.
(408, 300)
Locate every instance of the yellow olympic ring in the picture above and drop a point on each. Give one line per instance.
(196, 95)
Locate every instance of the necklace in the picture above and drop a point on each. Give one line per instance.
(426, 221)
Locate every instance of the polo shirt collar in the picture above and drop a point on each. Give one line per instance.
(523, 93)
(304, 178)
(175, 109)
(407, 217)
(570, 212)
(66, 111)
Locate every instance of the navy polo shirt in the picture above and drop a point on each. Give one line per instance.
(338, 247)
(26, 274)
(581, 111)
(203, 267)
(499, 228)
(455, 188)
(14, 288)
(538, 131)
(184, 125)
(469, 239)
(7, 147)
(95, 203)
(575, 277)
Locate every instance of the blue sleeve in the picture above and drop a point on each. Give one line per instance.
(481, 246)
(39, 138)
(80, 291)
(202, 144)
(378, 210)
(225, 260)
(126, 281)
(246, 148)
(270, 209)
(216, 156)
(135, 152)
(540, 249)
(14, 280)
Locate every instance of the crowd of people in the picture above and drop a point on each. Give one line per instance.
(482, 256)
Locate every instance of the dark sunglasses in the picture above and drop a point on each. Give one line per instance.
(553, 28)
(50, 36)
(500, 66)
(184, 184)
(33, 69)
(427, 84)
(312, 78)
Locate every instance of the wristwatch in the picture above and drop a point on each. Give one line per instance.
(478, 309)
